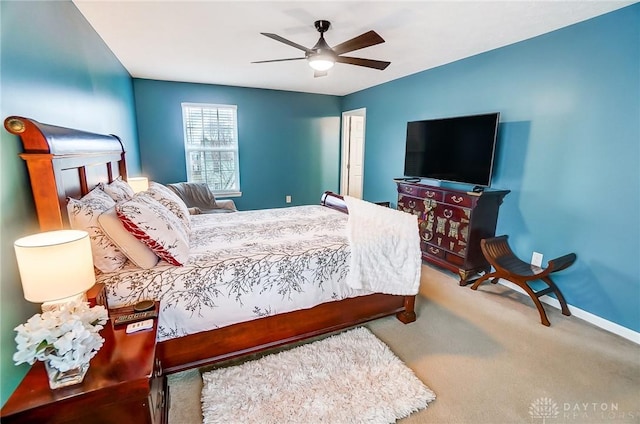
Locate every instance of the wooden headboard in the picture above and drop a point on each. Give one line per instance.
(64, 162)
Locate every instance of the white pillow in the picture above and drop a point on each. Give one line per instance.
(171, 201)
(83, 215)
(118, 190)
(137, 252)
(155, 226)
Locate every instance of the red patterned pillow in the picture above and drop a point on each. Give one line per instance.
(171, 201)
(155, 226)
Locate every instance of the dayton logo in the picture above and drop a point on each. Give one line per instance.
(544, 408)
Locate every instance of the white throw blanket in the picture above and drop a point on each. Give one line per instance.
(385, 249)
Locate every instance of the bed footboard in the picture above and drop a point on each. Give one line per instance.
(200, 349)
(210, 347)
(333, 201)
(409, 313)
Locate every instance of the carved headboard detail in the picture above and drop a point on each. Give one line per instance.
(64, 162)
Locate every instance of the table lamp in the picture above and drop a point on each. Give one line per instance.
(55, 266)
(138, 184)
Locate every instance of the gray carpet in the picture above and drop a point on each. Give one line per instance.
(489, 360)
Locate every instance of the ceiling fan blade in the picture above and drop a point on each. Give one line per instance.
(317, 74)
(367, 63)
(287, 42)
(279, 60)
(367, 39)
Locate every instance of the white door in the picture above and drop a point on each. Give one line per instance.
(353, 125)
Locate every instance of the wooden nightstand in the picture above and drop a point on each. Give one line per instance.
(124, 384)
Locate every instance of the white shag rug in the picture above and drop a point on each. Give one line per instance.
(351, 377)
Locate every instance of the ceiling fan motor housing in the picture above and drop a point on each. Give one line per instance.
(321, 48)
(322, 26)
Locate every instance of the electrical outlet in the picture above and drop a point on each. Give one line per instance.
(536, 259)
(288, 199)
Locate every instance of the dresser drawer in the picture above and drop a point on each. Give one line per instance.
(411, 190)
(458, 199)
(433, 250)
(434, 195)
(421, 192)
(454, 259)
(442, 253)
(411, 205)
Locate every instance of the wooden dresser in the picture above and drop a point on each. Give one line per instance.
(452, 222)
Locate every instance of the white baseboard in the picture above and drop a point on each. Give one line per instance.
(612, 327)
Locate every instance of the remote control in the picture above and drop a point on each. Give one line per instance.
(137, 316)
(140, 325)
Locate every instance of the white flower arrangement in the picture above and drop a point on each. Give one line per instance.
(67, 337)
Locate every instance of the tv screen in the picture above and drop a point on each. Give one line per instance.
(458, 149)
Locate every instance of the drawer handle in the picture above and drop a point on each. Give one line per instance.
(430, 193)
(408, 189)
(447, 213)
(412, 204)
(158, 368)
(457, 199)
(427, 236)
(434, 250)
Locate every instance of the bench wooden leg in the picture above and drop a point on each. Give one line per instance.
(534, 296)
(484, 278)
(556, 290)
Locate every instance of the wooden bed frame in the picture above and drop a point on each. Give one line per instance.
(64, 162)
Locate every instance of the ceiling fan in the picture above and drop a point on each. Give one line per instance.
(321, 57)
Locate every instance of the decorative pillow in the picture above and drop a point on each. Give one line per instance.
(171, 201)
(118, 190)
(156, 227)
(83, 215)
(134, 249)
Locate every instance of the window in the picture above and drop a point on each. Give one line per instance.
(211, 146)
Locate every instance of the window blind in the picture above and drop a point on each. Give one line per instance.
(211, 146)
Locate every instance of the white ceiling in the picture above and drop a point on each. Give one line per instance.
(215, 41)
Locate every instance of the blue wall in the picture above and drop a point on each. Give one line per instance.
(569, 148)
(56, 70)
(289, 143)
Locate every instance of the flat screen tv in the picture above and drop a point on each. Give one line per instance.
(457, 149)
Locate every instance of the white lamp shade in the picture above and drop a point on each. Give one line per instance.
(138, 184)
(55, 264)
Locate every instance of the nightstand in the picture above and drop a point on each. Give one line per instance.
(124, 384)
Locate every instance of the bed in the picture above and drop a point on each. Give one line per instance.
(65, 163)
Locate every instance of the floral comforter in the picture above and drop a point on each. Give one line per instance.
(243, 266)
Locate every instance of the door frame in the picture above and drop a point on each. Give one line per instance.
(346, 144)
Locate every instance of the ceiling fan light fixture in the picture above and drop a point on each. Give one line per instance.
(321, 62)
(321, 57)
